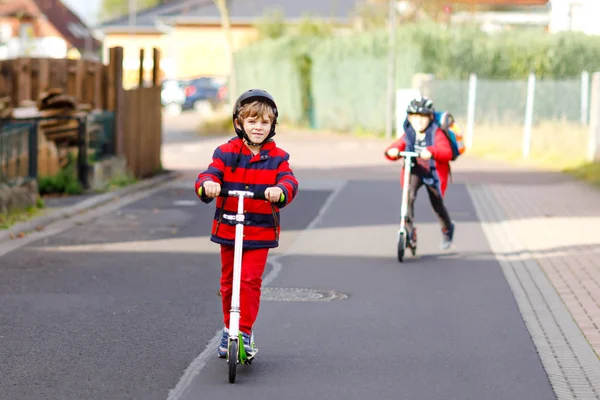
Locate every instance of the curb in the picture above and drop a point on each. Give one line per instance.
(86, 205)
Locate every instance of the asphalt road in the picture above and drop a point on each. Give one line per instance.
(126, 306)
(119, 308)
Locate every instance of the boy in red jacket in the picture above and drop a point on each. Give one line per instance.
(422, 135)
(252, 162)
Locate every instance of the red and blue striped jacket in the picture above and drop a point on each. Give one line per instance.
(253, 173)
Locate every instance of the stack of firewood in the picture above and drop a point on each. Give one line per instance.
(54, 103)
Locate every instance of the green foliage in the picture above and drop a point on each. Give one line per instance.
(272, 25)
(372, 15)
(282, 67)
(340, 81)
(116, 8)
(458, 52)
(120, 181)
(312, 27)
(64, 182)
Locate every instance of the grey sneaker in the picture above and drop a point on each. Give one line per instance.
(448, 236)
(222, 350)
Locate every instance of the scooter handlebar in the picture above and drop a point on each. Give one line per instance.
(409, 154)
(259, 195)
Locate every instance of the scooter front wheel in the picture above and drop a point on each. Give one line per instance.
(401, 247)
(232, 359)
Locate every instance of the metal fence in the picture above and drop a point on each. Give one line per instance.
(19, 144)
(530, 117)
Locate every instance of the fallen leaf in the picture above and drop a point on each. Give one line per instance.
(40, 228)
(21, 235)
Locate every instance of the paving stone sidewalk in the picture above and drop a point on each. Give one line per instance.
(557, 220)
(560, 224)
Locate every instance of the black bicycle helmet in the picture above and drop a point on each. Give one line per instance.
(422, 106)
(247, 97)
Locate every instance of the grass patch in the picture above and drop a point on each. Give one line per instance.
(589, 173)
(64, 182)
(11, 218)
(120, 181)
(554, 145)
(216, 124)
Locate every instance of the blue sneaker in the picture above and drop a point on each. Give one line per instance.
(249, 345)
(222, 350)
(448, 236)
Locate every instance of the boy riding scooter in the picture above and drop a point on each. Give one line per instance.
(423, 136)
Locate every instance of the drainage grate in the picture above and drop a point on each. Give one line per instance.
(298, 294)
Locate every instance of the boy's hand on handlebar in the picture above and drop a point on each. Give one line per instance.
(393, 152)
(273, 194)
(425, 154)
(211, 189)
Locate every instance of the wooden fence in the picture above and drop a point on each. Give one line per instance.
(94, 85)
(25, 79)
(142, 122)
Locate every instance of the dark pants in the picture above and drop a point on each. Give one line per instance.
(435, 197)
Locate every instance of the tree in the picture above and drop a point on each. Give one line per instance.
(222, 5)
(116, 8)
(272, 25)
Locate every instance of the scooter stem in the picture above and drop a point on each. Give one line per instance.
(405, 190)
(234, 313)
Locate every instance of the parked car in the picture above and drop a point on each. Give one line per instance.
(172, 96)
(204, 95)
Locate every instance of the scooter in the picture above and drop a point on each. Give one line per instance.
(236, 354)
(403, 239)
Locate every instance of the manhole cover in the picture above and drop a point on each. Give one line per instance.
(298, 294)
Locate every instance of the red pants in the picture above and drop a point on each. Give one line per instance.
(253, 266)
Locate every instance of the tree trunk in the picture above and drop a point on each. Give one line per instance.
(222, 5)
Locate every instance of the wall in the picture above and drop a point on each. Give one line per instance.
(187, 51)
(202, 51)
(577, 15)
(131, 53)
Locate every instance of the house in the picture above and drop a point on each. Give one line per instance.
(498, 15)
(575, 15)
(43, 28)
(189, 35)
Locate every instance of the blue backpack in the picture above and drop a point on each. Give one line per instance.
(453, 132)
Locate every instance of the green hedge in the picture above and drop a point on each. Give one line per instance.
(281, 67)
(349, 79)
(340, 82)
(458, 52)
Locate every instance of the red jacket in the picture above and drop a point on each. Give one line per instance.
(253, 173)
(441, 154)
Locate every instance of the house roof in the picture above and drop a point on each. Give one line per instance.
(69, 25)
(241, 12)
(13, 8)
(502, 2)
